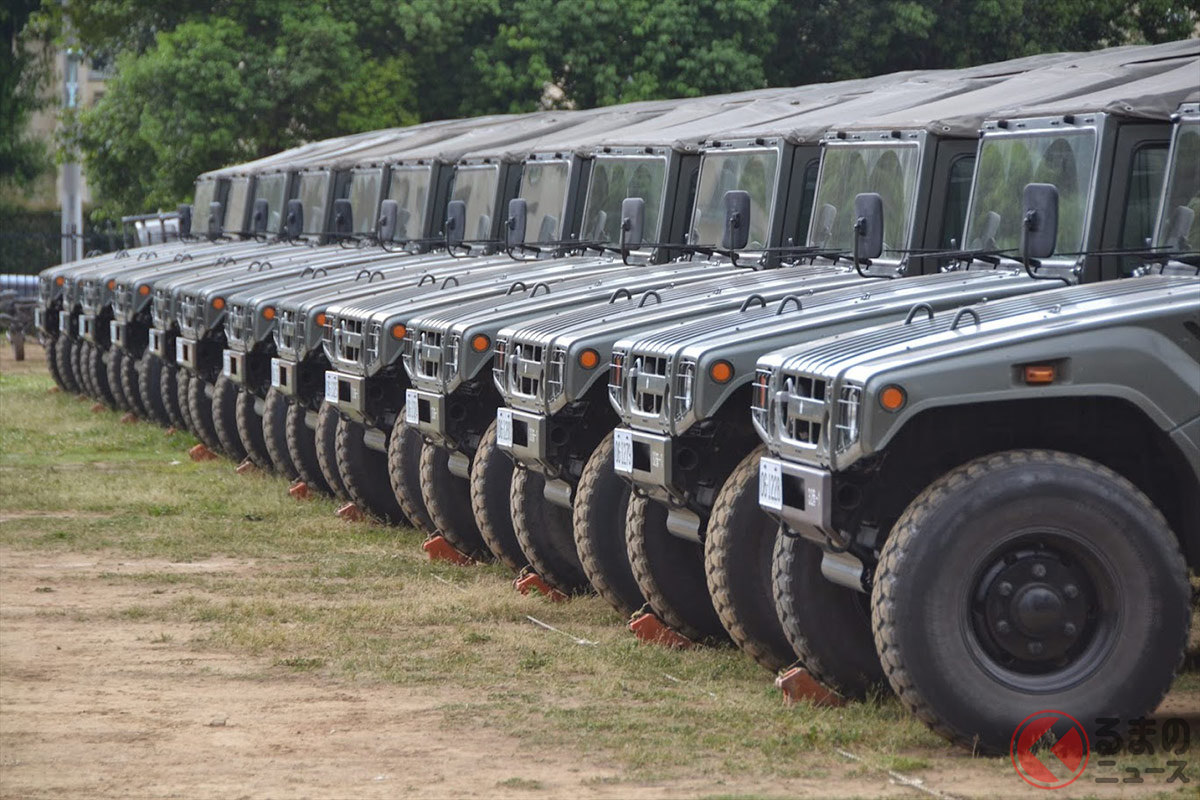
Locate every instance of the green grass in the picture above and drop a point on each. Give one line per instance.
(360, 603)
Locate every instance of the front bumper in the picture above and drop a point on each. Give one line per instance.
(64, 322)
(283, 376)
(233, 366)
(116, 334)
(87, 327)
(186, 352)
(158, 343)
(345, 393)
(524, 436)
(798, 496)
(647, 461)
(426, 411)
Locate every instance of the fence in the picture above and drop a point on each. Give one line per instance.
(30, 241)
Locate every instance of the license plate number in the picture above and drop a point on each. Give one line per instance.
(227, 364)
(622, 451)
(504, 428)
(412, 411)
(331, 387)
(179, 351)
(770, 484)
(276, 380)
(83, 326)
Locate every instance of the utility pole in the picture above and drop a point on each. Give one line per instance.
(70, 199)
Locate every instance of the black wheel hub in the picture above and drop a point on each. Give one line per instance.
(1034, 609)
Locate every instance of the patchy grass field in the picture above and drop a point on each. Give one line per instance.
(173, 628)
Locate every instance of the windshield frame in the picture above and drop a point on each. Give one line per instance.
(364, 219)
(267, 183)
(1165, 209)
(652, 231)
(239, 190)
(418, 215)
(707, 158)
(1030, 129)
(546, 164)
(324, 180)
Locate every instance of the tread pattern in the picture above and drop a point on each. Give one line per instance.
(447, 498)
(250, 430)
(130, 385)
(224, 417)
(546, 534)
(491, 478)
(183, 382)
(79, 367)
(404, 473)
(149, 383)
(116, 360)
(63, 348)
(274, 433)
(364, 474)
(98, 373)
(598, 524)
(51, 348)
(200, 409)
(326, 444)
(168, 390)
(302, 449)
(884, 611)
(737, 576)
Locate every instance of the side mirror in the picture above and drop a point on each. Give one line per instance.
(185, 219)
(1039, 223)
(456, 222)
(216, 217)
(823, 230)
(1178, 228)
(343, 217)
(293, 225)
(737, 220)
(868, 225)
(633, 222)
(389, 220)
(258, 219)
(514, 226)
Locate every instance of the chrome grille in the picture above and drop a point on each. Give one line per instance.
(647, 380)
(428, 354)
(499, 365)
(526, 370)
(348, 341)
(158, 311)
(90, 295)
(122, 300)
(803, 410)
(189, 313)
(238, 325)
(285, 331)
(372, 344)
(556, 373)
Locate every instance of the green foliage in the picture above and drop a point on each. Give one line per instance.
(199, 83)
(24, 75)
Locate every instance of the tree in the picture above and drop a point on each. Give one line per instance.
(24, 75)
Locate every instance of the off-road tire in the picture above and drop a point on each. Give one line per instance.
(79, 368)
(325, 442)
(149, 388)
(491, 479)
(224, 417)
(601, 502)
(200, 410)
(98, 372)
(738, 555)
(364, 473)
(1050, 503)
(168, 390)
(670, 572)
(116, 360)
(448, 499)
(63, 348)
(130, 385)
(828, 626)
(183, 384)
(302, 449)
(51, 348)
(250, 430)
(274, 433)
(546, 534)
(404, 473)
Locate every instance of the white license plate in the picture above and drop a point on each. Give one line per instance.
(83, 326)
(64, 322)
(179, 351)
(622, 450)
(276, 380)
(112, 331)
(412, 411)
(331, 387)
(770, 484)
(504, 427)
(227, 364)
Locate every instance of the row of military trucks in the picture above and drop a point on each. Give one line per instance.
(895, 380)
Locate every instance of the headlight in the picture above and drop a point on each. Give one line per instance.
(616, 374)
(759, 401)
(685, 388)
(556, 376)
(499, 352)
(372, 344)
(450, 359)
(849, 405)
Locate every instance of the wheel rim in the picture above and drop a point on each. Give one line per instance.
(1043, 610)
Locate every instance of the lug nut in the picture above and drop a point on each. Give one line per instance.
(1003, 627)
(1069, 629)
(1006, 588)
(1039, 570)
(1035, 648)
(1071, 590)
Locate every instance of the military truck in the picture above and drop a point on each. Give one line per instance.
(1039, 525)
(680, 391)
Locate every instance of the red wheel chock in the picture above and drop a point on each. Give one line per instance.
(650, 629)
(349, 512)
(298, 490)
(797, 684)
(246, 466)
(201, 453)
(530, 581)
(438, 549)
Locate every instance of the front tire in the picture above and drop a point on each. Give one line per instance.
(364, 473)
(404, 473)
(1030, 580)
(224, 417)
(63, 348)
(738, 553)
(448, 499)
(149, 388)
(491, 479)
(200, 409)
(98, 374)
(302, 449)
(52, 362)
(274, 433)
(168, 390)
(325, 441)
(546, 534)
(116, 359)
(250, 429)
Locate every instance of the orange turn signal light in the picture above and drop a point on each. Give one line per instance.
(480, 343)
(1040, 373)
(144, 289)
(589, 359)
(268, 313)
(218, 303)
(399, 331)
(60, 280)
(721, 371)
(892, 398)
(321, 319)
(112, 284)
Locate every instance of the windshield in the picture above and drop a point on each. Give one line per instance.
(613, 179)
(235, 206)
(271, 189)
(410, 190)
(848, 170)
(200, 203)
(313, 191)
(544, 189)
(1008, 162)
(476, 186)
(1183, 189)
(365, 185)
(721, 171)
